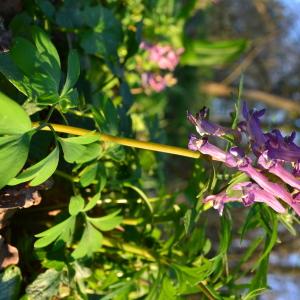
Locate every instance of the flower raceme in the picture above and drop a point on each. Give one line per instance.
(165, 57)
(271, 154)
(164, 60)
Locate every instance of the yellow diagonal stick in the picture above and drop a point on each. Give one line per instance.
(124, 141)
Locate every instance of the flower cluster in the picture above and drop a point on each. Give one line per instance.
(269, 154)
(164, 59)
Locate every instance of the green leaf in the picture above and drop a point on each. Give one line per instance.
(254, 294)
(187, 220)
(13, 155)
(105, 114)
(90, 242)
(270, 241)
(14, 75)
(41, 68)
(83, 140)
(23, 48)
(39, 172)
(73, 72)
(204, 53)
(88, 175)
(76, 205)
(10, 283)
(108, 222)
(81, 149)
(167, 290)
(45, 286)
(92, 203)
(48, 53)
(105, 34)
(191, 276)
(13, 118)
(63, 231)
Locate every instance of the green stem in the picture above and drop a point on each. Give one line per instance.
(125, 141)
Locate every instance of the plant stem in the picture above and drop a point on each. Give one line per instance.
(125, 141)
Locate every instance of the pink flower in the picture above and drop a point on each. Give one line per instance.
(276, 167)
(157, 82)
(165, 57)
(246, 193)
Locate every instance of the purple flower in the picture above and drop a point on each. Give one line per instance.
(213, 151)
(205, 127)
(252, 127)
(219, 200)
(276, 167)
(275, 189)
(296, 168)
(246, 193)
(282, 148)
(275, 153)
(253, 193)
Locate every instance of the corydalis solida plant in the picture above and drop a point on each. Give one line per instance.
(268, 153)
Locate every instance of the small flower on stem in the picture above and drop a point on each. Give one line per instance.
(206, 127)
(276, 167)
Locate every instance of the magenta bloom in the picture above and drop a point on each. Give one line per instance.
(156, 82)
(276, 154)
(205, 127)
(275, 189)
(252, 127)
(276, 167)
(254, 193)
(246, 193)
(165, 57)
(282, 148)
(219, 200)
(203, 146)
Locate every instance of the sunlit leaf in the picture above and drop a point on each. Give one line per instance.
(13, 155)
(76, 205)
(39, 172)
(13, 118)
(90, 242)
(73, 71)
(63, 229)
(81, 149)
(108, 222)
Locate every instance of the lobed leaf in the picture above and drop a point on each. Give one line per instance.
(50, 235)
(13, 118)
(73, 72)
(108, 222)
(13, 155)
(39, 172)
(91, 241)
(76, 205)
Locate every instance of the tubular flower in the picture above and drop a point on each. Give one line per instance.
(276, 167)
(219, 200)
(274, 154)
(213, 151)
(246, 193)
(205, 127)
(252, 127)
